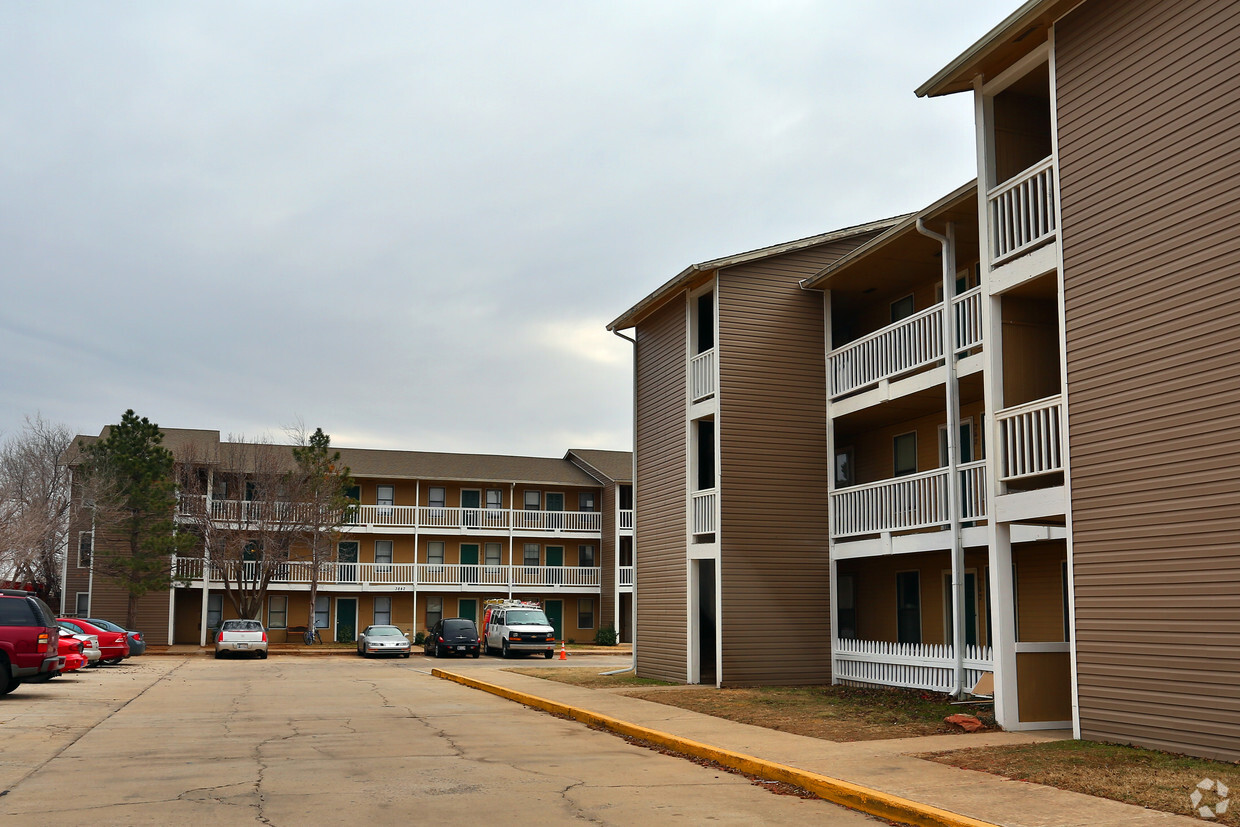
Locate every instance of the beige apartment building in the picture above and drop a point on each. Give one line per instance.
(433, 535)
(1025, 397)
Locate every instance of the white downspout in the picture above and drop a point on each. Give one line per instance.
(632, 667)
(948, 243)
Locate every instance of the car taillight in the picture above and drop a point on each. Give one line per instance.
(219, 638)
(44, 641)
(137, 636)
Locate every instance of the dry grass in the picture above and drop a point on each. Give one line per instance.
(1158, 780)
(588, 677)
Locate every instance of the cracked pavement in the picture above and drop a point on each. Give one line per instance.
(303, 740)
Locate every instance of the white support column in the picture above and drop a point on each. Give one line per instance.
(172, 610)
(512, 518)
(1003, 623)
(208, 516)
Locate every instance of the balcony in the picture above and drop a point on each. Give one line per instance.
(925, 666)
(905, 346)
(702, 376)
(397, 576)
(626, 519)
(626, 577)
(411, 517)
(1021, 212)
(705, 511)
(916, 501)
(1031, 439)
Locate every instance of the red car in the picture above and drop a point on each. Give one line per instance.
(71, 654)
(113, 646)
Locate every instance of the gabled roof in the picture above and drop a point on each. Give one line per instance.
(637, 312)
(605, 466)
(1003, 45)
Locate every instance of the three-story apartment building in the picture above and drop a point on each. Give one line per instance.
(432, 535)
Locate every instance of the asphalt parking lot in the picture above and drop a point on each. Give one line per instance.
(333, 740)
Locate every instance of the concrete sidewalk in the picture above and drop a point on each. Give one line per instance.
(886, 768)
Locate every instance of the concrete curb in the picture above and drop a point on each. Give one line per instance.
(844, 793)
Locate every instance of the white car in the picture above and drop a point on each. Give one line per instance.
(383, 640)
(90, 644)
(241, 636)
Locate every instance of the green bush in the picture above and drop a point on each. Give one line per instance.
(606, 636)
(419, 639)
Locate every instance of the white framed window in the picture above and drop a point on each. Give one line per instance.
(904, 451)
(585, 501)
(533, 500)
(845, 473)
(277, 611)
(322, 611)
(495, 498)
(383, 611)
(585, 613)
(215, 610)
(82, 604)
(438, 497)
(434, 611)
(902, 308)
(585, 556)
(493, 552)
(533, 552)
(383, 556)
(434, 552)
(86, 543)
(385, 497)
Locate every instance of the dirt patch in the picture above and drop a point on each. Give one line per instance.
(588, 677)
(833, 713)
(1147, 778)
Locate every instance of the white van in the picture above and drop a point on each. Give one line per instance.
(512, 626)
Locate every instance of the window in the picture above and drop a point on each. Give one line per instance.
(904, 449)
(383, 556)
(845, 607)
(277, 611)
(585, 613)
(438, 497)
(215, 610)
(902, 308)
(86, 540)
(585, 555)
(965, 447)
(495, 498)
(83, 604)
(383, 611)
(844, 463)
(585, 501)
(434, 552)
(354, 493)
(434, 611)
(493, 551)
(385, 495)
(908, 607)
(322, 611)
(533, 500)
(532, 553)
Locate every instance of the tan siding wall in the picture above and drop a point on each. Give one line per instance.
(773, 470)
(660, 491)
(608, 502)
(1149, 110)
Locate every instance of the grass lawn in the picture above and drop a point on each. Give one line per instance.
(588, 677)
(1159, 780)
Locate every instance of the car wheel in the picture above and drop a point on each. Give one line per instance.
(404, 654)
(505, 652)
(476, 654)
(218, 654)
(547, 654)
(7, 682)
(114, 661)
(262, 655)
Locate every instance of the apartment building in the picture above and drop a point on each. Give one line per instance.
(433, 535)
(731, 457)
(1021, 457)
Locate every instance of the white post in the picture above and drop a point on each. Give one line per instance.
(172, 608)
(206, 558)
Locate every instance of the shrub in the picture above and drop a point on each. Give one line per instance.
(606, 636)
(419, 639)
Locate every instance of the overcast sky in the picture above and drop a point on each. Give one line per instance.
(409, 223)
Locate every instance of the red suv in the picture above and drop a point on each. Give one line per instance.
(29, 640)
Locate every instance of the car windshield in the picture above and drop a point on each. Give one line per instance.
(105, 624)
(242, 626)
(384, 631)
(459, 626)
(527, 617)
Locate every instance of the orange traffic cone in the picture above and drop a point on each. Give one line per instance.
(563, 651)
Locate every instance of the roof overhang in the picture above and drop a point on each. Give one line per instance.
(902, 244)
(1022, 31)
(693, 272)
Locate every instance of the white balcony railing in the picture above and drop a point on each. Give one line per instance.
(702, 376)
(430, 575)
(626, 519)
(926, 666)
(423, 517)
(705, 511)
(1022, 211)
(908, 345)
(907, 503)
(1030, 437)
(626, 577)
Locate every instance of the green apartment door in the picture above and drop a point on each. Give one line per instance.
(467, 607)
(555, 614)
(555, 557)
(346, 619)
(469, 562)
(471, 502)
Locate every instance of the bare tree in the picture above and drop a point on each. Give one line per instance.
(243, 504)
(35, 502)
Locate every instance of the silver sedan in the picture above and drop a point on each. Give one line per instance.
(383, 640)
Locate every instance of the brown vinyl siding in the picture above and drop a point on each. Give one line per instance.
(1148, 113)
(773, 470)
(605, 555)
(660, 507)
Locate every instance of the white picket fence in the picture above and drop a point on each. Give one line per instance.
(928, 666)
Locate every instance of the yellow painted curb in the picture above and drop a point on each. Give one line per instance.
(845, 793)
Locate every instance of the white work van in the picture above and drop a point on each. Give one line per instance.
(514, 626)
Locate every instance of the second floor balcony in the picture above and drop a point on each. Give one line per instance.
(904, 347)
(908, 503)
